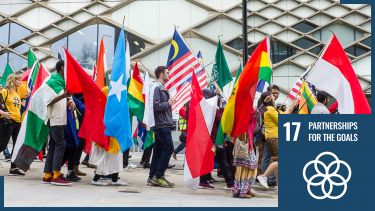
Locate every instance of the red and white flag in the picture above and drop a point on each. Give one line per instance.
(334, 74)
(294, 92)
(199, 157)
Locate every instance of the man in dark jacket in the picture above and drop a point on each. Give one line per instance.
(163, 147)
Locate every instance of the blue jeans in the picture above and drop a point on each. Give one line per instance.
(163, 149)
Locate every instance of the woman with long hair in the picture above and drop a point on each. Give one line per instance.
(10, 120)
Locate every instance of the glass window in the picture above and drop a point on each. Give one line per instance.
(4, 31)
(305, 42)
(17, 32)
(57, 46)
(317, 49)
(83, 46)
(304, 26)
(236, 43)
(136, 44)
(251, 49)
(281, 51)
(23, 48)
(356, 50)
(108, 33)
(17, 62)
(367, 41)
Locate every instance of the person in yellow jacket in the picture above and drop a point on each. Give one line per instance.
(109, 163)
(271, 121)
(10, 115)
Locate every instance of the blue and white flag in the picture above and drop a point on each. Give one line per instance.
(116, 117)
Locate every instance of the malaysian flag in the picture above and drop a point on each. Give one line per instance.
(181, 63)
(184, 91)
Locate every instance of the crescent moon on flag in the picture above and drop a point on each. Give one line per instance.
(175, 46)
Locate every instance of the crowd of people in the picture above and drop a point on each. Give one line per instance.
(241, 161)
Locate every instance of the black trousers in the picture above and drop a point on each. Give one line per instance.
(222, 160)
(146, 157)
(6, 132)
(69, 156)
(163, 149)
(56, 149)
(125, 158)
(78, 153)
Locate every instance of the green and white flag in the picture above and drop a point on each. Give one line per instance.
(34, 130)
(220, 71)
(8, 70)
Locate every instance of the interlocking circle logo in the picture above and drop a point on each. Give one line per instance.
(333, 179)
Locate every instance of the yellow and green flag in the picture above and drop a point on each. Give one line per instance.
(136, 100)
(307, 100)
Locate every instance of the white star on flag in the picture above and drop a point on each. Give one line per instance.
(117, 88)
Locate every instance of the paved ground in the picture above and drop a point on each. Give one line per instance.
(29, 191)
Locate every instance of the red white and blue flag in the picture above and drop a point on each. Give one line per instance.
(184, 91)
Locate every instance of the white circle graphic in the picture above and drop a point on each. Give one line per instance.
(323, 177)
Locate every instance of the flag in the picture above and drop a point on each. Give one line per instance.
(148, 95)
(78, 81)
(34, 130)
(33, 64)
(199, 159)
(334, 74)
(7, 71)
(220, 70)
(220, 133)
(101, 66)
(181, 62)
(265, 74)
(184, 91)
(307, 100)
(117, 117)
(294, 92)
(146, 138)
(136, 100)
(238, 110)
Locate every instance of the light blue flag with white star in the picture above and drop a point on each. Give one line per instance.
(116, 117)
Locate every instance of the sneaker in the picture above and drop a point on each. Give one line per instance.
(73, 177)
(165, 180)
(8, 158)
(106, 178)
(263, 181)
(149, 181)
(159, 182)
(46, 181)
(16, 172)
(99, 183)
(60, 181)
(119, 183)
(206, 186)
(132, 166)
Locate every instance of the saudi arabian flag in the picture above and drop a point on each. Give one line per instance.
(136, 100)
(34, 130)
(8, 70)
(220, 71)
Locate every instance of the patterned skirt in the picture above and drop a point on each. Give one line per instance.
(246, 172)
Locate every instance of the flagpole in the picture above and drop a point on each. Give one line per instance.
(244, 31)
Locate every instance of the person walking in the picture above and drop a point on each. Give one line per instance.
(163, 146)
(10, 116)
